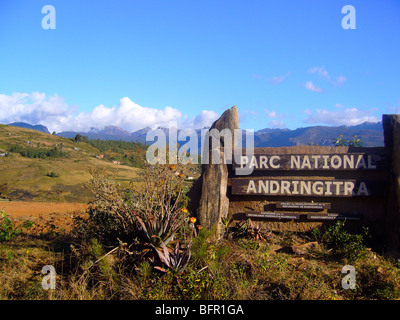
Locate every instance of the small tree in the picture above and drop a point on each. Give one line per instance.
(81, 138)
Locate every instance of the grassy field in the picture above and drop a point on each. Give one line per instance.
(232, 269)
(27, 179)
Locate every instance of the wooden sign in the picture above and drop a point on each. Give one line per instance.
(296, 216)
(273, 215)
(303, 205)
(332, 216)
(309, 187)
(342, 161)
(310, 173)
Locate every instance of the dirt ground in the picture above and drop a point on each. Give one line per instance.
(35, 209)
(46, 216)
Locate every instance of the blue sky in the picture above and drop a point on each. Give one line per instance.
(134, 64)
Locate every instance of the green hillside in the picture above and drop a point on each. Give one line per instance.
(36, 166)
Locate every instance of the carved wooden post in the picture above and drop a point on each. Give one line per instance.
(214, 203)
(391, 126)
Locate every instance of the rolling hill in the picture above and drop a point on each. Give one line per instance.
(37, 127)
(53, 168)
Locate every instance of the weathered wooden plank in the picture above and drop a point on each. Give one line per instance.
(332, 216)
(303, 205)
(296, 215)
(340, 161)
(273, 215)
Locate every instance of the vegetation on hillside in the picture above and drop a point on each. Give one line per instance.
(126, 152)
(355, 141)
(41, 153)
(44, 167)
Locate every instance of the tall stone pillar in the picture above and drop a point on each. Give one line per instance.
(214, 203)
(391, 126)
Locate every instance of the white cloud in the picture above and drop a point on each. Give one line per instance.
(348, 116)
(34, 108)
(56, 115)
(273, 114)
(132, 117)
(320, 71)
(312, 87)
(277, 124)
(339, 81)
(204, 119)
(323, 73)
(274, 122)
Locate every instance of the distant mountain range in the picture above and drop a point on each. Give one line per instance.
(371, 134)
(107, 133)
(37, 127)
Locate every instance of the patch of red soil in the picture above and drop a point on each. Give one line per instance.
(47, 217)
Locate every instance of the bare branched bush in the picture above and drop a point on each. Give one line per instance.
(147, 217)
(157, 204)
(109, 214)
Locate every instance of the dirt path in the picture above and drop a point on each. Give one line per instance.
(47, 216)
(35, 209)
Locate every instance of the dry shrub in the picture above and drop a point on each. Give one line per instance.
(150, 210)
(144, 221)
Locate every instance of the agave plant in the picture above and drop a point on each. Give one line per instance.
(175, 260)
(249, 229)
(256, 232)
(226, 222)
(159, 228)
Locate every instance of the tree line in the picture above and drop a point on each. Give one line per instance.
(41, 153)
